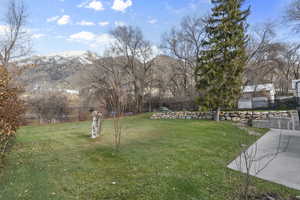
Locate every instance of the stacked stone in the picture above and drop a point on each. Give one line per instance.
(236, 116)
(182, 115)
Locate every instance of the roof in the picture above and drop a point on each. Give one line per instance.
(258, 88)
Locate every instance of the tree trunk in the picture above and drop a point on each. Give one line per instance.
(217, 114)
(150, 105)
(139, 104)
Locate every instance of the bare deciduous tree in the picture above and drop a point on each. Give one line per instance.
(288, 65)
(137, 57)
(117, 102)
(50, 107)
(259, 46)
(11, 45)
(276, 63)
(292, 14)
(14, 39)
(184, 44)
(108, 80)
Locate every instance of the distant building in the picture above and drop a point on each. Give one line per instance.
(296, 87)
(261, 90)
(255, 96)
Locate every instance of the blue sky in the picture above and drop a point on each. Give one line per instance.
(74, 25)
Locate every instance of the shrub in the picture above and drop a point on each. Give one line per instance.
(11, 111)
(50, 107)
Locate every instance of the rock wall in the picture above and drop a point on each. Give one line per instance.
(236, 116)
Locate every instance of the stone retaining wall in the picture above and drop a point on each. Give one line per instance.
(236, 116)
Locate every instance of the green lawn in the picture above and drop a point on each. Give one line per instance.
(159, 160)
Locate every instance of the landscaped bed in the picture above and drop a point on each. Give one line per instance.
(158, 160)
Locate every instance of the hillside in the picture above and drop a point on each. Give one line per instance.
(62, 71)
(52, 71)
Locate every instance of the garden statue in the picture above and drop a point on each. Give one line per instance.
(96, 124)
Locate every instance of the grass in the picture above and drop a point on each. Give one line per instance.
(159, 160)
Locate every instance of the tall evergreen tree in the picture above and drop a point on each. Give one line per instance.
(219, 74)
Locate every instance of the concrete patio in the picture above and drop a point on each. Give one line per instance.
(275, 157)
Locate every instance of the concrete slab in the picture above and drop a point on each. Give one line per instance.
(275, 157)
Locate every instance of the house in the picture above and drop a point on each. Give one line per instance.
(296, 87)
(256, 96)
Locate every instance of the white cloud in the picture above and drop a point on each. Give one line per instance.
(156, 51)
(60, 20)
(95, 41)
(59, 36)
(37, 36)
(82, 36)
(92, 4)
(83, 4)
(67, 53)
(85, 23)
(3, 29)
(64, 20)
(121, 5)
(52, 19)
(120, 23)
(152, 21)
(102, 40)
(104, 23)
(192, 6)
(96, 5)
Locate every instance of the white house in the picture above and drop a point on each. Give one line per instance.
(296, 87)
(255, 96)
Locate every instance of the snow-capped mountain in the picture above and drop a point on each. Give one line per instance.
(53, 70)
(62, 71)
(66, 54)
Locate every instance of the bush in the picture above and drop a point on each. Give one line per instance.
(11, 111)
(50, 107)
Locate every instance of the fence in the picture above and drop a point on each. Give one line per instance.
(83, 113)
(290, 103)
(172, 104)
(72, 114)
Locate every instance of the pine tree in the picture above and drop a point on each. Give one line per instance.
(221, 63)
